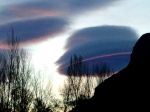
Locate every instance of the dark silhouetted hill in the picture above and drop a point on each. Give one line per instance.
(127, 90)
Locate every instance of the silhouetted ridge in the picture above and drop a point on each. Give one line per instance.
(128, 90)
(141, 51)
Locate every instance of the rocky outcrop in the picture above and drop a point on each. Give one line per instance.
(128, 90)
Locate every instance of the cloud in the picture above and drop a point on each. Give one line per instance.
(33, 29)
(66, 5)
(96, 41)
(49, 8)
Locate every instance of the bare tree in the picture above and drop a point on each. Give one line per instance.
(72, 91)
(101, 71)
(21, 93)
(15, 77)
(81, 81)
(44, 100)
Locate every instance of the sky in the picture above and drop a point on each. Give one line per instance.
(54, 30)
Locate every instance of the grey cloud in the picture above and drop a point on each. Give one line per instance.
(96, 41)
(67, 5)
(64, 7)
(33, 28)
(76, 5)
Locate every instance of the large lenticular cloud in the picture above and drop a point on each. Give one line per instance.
(100, 41)
(33, 29)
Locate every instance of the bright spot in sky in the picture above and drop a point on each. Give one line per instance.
(44, 57)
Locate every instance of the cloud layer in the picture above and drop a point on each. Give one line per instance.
(97, 41)
(33, 29)
(49, 8)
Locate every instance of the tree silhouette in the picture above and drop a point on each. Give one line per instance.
(81, 81)
(15, 77)
(101, 71)
(44, 99)
(40, 106)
